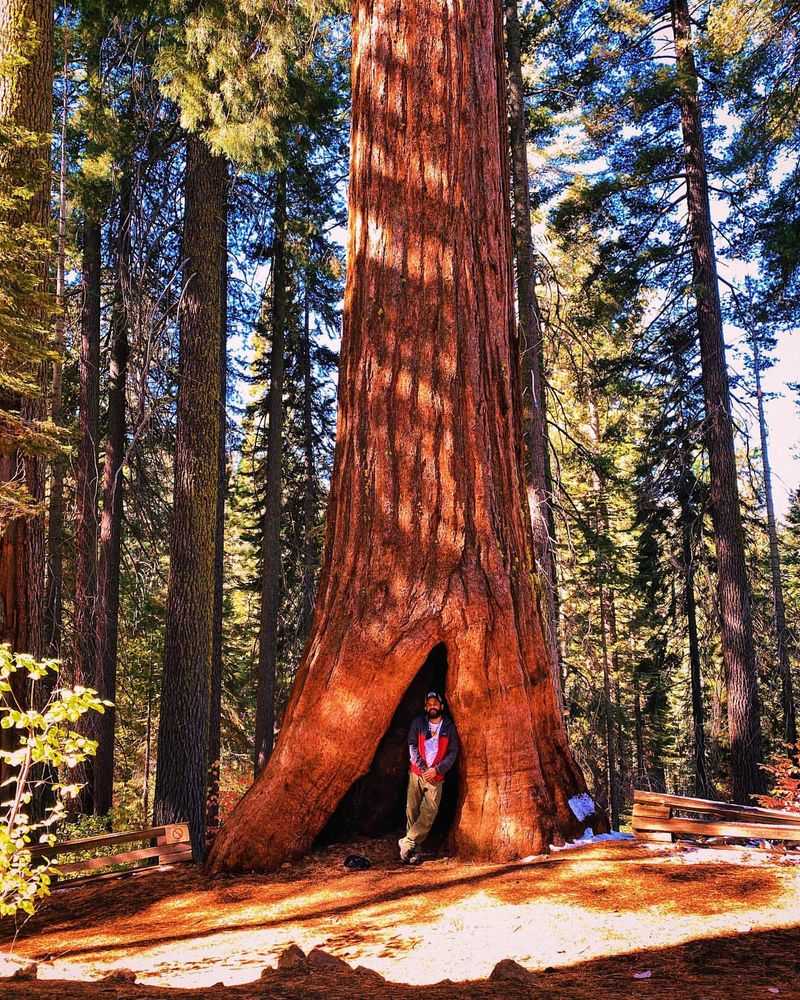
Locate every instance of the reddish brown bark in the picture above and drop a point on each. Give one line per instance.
(732, 586)
(26, 98)
(428, 536)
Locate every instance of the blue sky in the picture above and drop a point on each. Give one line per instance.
(783, 419)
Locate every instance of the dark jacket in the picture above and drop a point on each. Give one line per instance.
(445, 755)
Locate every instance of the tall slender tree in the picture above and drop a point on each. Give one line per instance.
(534, 397)
(55, 515)
(111, 520)
(215, 706)
(778, 603)
(732, 584)
(271, 549)
(181, 775)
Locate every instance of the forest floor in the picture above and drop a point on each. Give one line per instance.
(608, 920)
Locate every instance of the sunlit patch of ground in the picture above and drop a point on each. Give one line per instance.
(639, 909)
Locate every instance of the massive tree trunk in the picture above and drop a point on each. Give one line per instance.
(271, 543)
(534, 398)
(732, 585)
(110, 548)
(428, 536)
(778, 606)
(180, 794)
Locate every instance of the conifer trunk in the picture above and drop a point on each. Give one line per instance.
(688, 529)
(215, 709)
(271, 544)
(110, 547)
(26, 98)
(181, 773)
(309, 486)
(732, 585)
(778, 605)
(534, 398)
(428, 531)
(638, 726)
(55, 514)
(86, 478)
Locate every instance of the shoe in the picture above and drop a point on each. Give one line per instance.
(414, 859)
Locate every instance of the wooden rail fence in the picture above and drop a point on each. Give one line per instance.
(165, 845)
(661, 817)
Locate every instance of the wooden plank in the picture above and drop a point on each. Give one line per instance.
(184, 854)
(106, 840)
(163, 853)
(746, 813)
(750, 831)
(641, 809)
(653, 836)
(126, 873)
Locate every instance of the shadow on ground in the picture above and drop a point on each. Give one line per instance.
(755, 964)
(184, 905)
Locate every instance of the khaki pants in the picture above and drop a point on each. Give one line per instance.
(422, 805)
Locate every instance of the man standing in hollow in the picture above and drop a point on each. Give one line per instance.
(432, 749)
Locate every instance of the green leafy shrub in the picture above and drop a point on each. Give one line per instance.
(46, 745)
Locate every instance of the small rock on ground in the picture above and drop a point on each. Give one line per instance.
(512, 971)
(12, 967)
(319, 959)
(120, 976)
(292, 957)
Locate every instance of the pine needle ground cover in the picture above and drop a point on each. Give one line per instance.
(615, 920)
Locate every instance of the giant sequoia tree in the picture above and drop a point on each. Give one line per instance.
(428, 538)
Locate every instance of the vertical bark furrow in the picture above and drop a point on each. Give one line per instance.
(180, 793)
(429, 415)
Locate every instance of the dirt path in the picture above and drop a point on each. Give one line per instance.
(586, 923)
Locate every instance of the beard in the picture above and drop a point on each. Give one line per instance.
(434, 713)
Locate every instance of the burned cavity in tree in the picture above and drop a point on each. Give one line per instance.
(375, 804)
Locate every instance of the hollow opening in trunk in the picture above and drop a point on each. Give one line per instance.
(375, 805)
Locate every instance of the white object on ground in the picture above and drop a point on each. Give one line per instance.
(643, 975)
(589, 837)
(582, 806)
